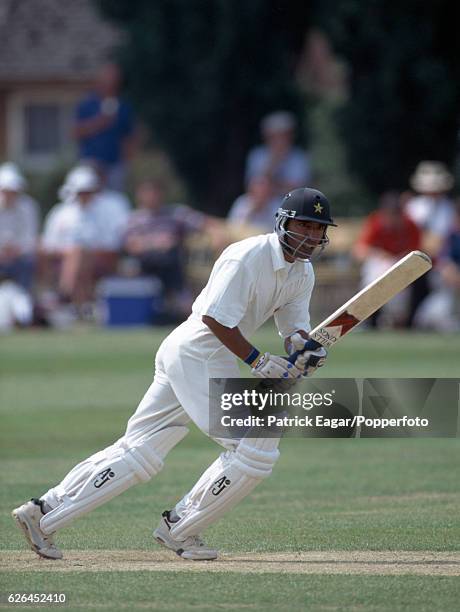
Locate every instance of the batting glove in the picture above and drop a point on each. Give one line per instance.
(272, 366)
(308, 361)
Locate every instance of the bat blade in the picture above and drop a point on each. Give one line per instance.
(371, 298)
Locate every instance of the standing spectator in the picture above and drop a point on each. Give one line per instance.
(82, 236)
(387, 235)
(18, 228)
(104, 126)
(433, 211)
(155, 237)
(287, 165)
(258, 206)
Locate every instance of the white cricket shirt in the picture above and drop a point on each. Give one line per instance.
(251, 281)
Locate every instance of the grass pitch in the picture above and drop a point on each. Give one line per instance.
(341, 524)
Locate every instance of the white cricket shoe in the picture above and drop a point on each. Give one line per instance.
(28, 518)
(192, 548)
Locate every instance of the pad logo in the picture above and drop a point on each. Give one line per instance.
(103, 477)
(220, 485)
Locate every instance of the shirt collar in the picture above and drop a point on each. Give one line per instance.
(278, 260)
(279, 263)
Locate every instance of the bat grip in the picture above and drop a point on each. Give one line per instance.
(310, 345)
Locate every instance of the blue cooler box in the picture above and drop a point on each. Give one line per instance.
(129, 301)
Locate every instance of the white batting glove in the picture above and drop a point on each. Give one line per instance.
(272, 366)
(308, 361)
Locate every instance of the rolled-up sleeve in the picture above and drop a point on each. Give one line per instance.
(295, 314)
(227, 294)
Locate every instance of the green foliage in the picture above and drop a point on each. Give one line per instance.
(329, 158)
(404, 69)
(202, 73)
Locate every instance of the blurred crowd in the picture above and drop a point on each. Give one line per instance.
(51, 272)
(425, 218)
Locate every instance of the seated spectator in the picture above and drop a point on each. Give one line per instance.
(155, 237)
(257, 207)
(287, 165)
(387, 235)
(433, 211)
(82, 236)
(441, 309)
(118, 199)
(18, 228)
(16, 307)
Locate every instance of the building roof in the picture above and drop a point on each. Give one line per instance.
(52, 39)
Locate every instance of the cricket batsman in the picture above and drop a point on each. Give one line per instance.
(260, 277)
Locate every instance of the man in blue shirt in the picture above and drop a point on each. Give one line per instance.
(104, 126)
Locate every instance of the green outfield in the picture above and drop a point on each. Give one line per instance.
(341, 525)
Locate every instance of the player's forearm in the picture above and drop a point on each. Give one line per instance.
(232, 338)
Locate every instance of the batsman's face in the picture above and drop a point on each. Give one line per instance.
(305, 237)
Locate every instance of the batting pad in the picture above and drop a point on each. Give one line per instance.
(226, 482)
(107, 474)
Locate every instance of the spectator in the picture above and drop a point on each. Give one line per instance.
(82, 236)
(441, 309)
(18, 228)
(258, 206)
(433, 211)
(16, 308)
(104, 127)
(287, 165)
(155, 238)
(118, 199)
(387, 235)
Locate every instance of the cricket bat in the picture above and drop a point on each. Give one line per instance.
(367, 301)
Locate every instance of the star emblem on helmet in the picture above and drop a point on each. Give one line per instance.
(318, 208)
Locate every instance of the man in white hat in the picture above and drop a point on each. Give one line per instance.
(18, 227)
(433, 211)
(82, 234)
(287, 165)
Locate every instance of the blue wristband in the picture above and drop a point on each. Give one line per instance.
(252, 357)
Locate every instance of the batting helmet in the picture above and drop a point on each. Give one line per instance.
(303, 204)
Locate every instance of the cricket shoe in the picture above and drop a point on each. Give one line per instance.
(28, 518)
(192, 548)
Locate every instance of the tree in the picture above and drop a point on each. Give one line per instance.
(202, 73)
(404, 75)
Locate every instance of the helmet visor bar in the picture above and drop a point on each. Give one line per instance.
(300, 246)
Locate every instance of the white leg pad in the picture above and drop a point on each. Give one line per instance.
(226, 482)
(107, 474)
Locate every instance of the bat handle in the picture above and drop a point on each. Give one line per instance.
(310, 345)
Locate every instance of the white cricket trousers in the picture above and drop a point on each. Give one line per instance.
(185, 361)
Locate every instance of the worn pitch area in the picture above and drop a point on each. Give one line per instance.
(312, 562)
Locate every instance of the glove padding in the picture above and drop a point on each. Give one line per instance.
(273, 366)
(308, 361)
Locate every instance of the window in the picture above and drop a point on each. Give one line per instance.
(39, 125)
(42, 133)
